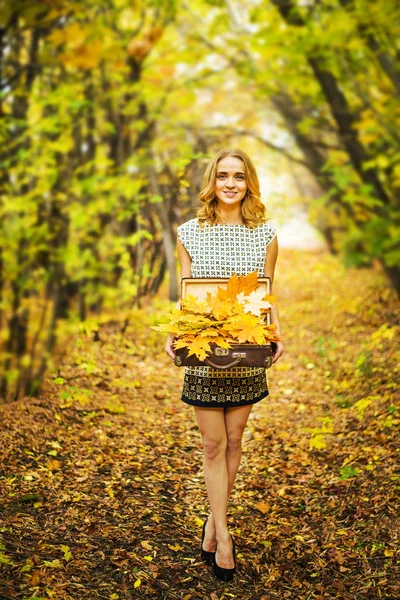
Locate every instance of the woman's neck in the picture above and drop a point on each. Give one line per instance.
(230, 217)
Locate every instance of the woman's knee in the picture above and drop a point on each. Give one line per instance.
(234, 441)
(214, 447)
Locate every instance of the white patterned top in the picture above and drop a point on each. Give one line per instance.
(221, 251)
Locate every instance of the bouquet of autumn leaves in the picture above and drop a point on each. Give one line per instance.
(234, 315)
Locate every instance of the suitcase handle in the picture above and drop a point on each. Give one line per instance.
(232, 364)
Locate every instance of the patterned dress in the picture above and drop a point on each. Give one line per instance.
(221, 251)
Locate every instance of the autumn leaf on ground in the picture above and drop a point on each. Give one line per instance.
(263, 507)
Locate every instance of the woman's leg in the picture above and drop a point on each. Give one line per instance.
(235, 421)
(212, 427)
(222, 432)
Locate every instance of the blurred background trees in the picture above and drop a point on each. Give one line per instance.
(110, 108)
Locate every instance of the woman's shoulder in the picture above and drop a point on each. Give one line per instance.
(187, 230)
(267, 231)
(267, 226)
(187, 225)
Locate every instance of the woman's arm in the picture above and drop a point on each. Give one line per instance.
(269, 271)
(185, 262)
(185, 267)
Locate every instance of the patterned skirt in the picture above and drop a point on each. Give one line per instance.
(214, 391)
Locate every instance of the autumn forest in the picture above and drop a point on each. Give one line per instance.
(109, 112)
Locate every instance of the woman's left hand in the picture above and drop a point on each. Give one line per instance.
(278, 352)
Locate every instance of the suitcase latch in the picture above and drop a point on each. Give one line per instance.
(238, 354)
(221, 351)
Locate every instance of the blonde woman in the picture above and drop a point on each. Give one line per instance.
(230, 235)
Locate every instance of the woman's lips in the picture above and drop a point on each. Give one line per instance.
(230, 194)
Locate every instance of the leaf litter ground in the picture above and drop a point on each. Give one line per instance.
(101, 478)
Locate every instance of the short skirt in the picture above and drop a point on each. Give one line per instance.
(223, 392)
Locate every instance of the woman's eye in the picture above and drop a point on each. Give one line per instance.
(240, 177)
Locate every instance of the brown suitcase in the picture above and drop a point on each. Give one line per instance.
(243, 355)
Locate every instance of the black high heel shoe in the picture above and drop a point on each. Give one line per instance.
(226, 574)
(208, 557)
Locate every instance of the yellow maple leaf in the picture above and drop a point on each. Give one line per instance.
(269, 298)
(183, 341)
(270, 333)
(222, 342)
(200, 347)
(248, 283)
(254, 302)
(191, 304)
(247, 328)
(223, 309)
(231, 291)
(209, 333)
(236, 284)
(193, 322)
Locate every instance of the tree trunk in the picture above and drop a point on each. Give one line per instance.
(341, 112)
(168, 238)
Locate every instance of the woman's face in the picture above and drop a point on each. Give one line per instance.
(230, 182)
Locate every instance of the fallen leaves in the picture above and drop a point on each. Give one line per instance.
(263, 507)
(126, 505)
(53, 465)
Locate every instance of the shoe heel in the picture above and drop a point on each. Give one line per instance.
(226, 574)
(208, 557)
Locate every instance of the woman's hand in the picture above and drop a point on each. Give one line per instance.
(168, 345)
(278, 352)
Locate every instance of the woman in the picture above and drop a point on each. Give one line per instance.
(230, 235)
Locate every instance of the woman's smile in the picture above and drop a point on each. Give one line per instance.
(230, 182)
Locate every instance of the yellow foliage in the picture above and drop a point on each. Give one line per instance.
(80, 51)
(86, 56)
(231, 315)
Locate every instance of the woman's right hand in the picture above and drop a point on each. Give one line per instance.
(168, 345)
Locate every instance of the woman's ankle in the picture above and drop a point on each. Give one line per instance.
(222, 535)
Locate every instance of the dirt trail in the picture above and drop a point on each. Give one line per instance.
(101, 481)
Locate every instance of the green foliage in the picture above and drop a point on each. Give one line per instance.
(124, 88)
(348, 472)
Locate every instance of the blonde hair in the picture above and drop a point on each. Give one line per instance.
(253, 210)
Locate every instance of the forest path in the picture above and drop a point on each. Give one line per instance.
(101, 480)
